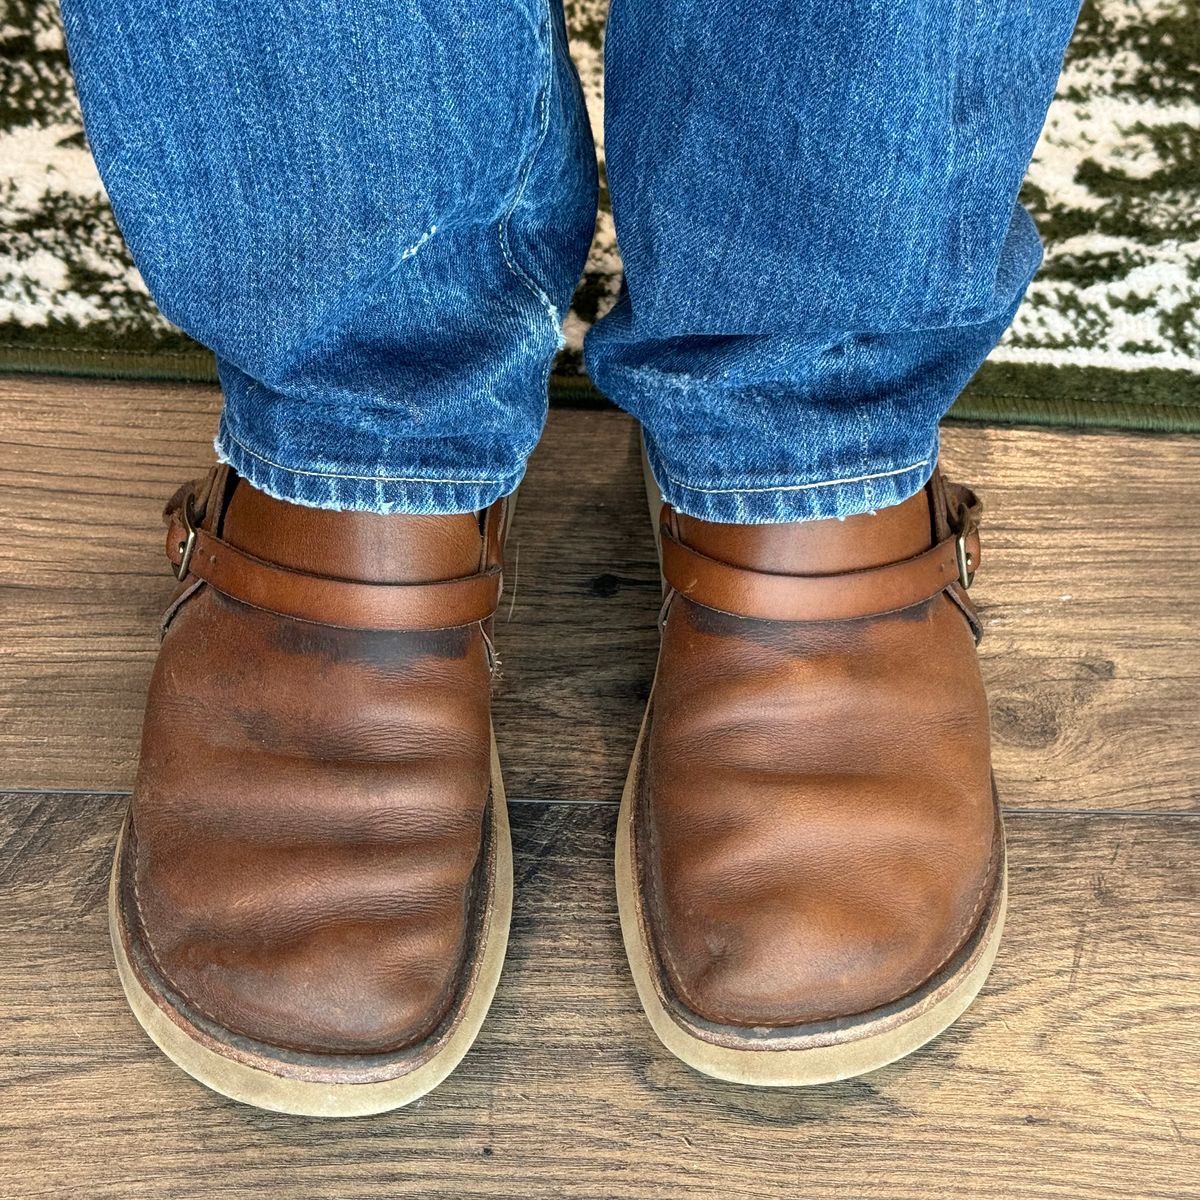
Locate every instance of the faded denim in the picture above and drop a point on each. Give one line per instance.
(375, 215)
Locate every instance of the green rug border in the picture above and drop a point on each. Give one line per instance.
(1154, 400)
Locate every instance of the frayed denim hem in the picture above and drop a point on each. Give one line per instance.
(847, 494)
(391, 493)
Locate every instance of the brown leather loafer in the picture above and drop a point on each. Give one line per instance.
(311, 894)
(810, 859)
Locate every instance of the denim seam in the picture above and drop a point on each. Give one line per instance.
(502, 228)
(228, 433)
(798, 487)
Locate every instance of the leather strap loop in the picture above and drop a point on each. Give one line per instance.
(843, 597)
(345, 603)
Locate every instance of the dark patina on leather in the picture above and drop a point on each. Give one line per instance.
(816, 829)
(307, 835)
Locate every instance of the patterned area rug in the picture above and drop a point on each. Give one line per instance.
(1109, 335)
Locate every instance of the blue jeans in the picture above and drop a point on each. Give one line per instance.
(375, 215)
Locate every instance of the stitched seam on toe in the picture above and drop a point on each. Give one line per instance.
(662, 944)
(968, 926)
(241, 1031)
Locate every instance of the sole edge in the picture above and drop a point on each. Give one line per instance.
(297, 1097)
(761, 1066)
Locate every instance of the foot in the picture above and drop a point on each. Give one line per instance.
(810, 855)
(312, 890)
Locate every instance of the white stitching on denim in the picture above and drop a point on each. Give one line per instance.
(225, 432)
(799, 487)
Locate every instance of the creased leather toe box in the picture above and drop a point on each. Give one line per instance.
(307, 827)
(817, 822)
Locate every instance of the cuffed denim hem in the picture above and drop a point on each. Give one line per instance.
(383, 493)
(863, 488)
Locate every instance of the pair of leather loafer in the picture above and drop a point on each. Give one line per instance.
(311, 893)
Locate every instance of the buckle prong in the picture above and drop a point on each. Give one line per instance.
(966, 565)
(189, 542)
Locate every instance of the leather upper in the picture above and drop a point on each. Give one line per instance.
(818, 830)
(308, 815)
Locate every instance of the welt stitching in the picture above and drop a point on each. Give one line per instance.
(864, 457)
(968, 926)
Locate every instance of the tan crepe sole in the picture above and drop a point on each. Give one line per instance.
(239, 1080)
(800, 1056)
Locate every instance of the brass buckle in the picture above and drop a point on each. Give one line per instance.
(966, 568)
(189, 542)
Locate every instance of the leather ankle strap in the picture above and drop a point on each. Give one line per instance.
(948, 566)
(200, 555)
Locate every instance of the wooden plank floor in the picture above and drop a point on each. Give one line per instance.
(1075, 1075)
(1091, 542)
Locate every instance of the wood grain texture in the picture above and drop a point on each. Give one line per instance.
(1074, 1076)
(1089, 592)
